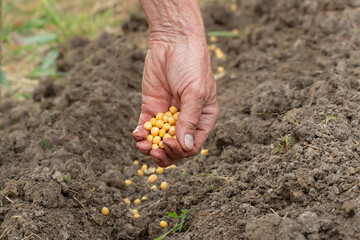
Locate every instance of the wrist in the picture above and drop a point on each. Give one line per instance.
(174, 20)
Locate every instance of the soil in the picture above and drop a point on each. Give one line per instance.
(283, 158)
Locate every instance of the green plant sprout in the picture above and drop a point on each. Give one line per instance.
(179, 225)
(330, 117)
(47, 144)
(284, 145)
(182, 174)
(67, 177)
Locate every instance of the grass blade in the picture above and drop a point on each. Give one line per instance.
(41, 39)
(3, 79)
(223, 34)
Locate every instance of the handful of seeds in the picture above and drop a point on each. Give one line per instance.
(162, 127)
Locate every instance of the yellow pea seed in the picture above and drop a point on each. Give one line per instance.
(168, 114)
(155, 131)
(137, 201)
(144, 198)
(140, 173)
(236, 31)
(233, 7)
(150, 138)
(152, 178)
(161, 145)
(159, 123)
(162, 132)
(213, 39)
(128, 182)
(220, 54)
(166, 136)
(220, 69)
(176, 116)
(151, 170)
(159, 116)
(212, 47)
(173, 109)
(172, 130)
(136, 215)
(155, 146)
(171, 166)
(153, 121)
(163, 224)
(172, 120)
(153, 187)
(160, 170)
(166, 126)
(174, 137)
(135, 211)
(148, 126)
(144, 167)
(156, 140)
(127, 201)
(136, 162)
(105, 211)
(204, 152)
(164, 186)
(165, 118)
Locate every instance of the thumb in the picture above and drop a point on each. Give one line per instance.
(191, 105)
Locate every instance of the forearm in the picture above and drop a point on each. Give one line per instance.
(171, 20)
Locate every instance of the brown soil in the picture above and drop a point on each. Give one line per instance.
(295, 74)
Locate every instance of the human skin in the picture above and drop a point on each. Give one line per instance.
(177, 72)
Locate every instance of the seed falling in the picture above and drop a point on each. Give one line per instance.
(140, 173)
(136, 216)
(137, 202)
(136, 163)
(127, 201)
(135, 211)
(144, 198)
(144, 167)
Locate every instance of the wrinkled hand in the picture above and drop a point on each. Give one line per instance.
(179, 74)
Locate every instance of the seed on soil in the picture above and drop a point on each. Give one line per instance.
(233, 7)
(105, 211)
(204, 152)
(153, 187)
(137, 201)
(128, 182)
(144, 198)
(155, 146)
(140, 173)
(136, 163)
(160, 170)
(148, 126)
(213, 39)
(127, 201)
(136, 216)
(164, 186)
(220, 54)
(151, 170)
(171, 166)
(220, 69)
(236, 31)
(144, 167)
(152, 178)
(135, 211)
(93, 189)
(163, 224)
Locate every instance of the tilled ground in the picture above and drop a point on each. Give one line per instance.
(292, 75)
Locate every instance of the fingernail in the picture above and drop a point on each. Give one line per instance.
(189, 141)
(167, 147)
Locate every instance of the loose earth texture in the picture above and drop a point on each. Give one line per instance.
(283, 158)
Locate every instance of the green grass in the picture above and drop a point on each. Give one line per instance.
(330, 117)
(32, 31)
(179, 226)
(284, 145)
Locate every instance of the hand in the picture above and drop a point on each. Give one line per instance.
(178, 73)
